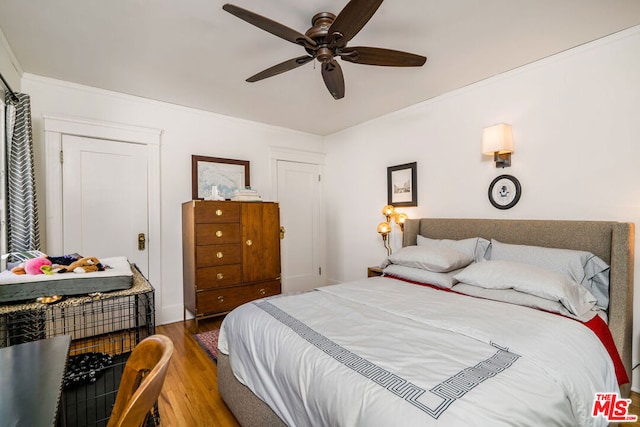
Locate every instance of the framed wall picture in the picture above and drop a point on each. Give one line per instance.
(504, 191)
(226, 175)
(402, 185)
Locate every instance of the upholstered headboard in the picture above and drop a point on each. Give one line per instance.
(611, 241)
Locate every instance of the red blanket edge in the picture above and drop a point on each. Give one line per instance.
(597, 325)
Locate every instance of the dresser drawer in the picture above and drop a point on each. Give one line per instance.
(218, 277)
(217, 234)
(211, 255)
(217, 212)
(226, 299)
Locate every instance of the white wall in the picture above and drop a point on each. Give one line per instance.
(9, 67)
(576, 122)
(185, 132)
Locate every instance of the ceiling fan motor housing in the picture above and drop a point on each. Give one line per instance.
(321, 22)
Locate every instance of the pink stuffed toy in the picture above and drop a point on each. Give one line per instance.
(38, 266)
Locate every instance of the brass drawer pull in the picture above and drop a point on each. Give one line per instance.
(262, 291)
(219, 212)
(219, 233)
(220, 299)
(219, 254)
(249, 242)
(220, 276)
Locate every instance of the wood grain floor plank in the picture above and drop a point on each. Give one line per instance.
(190, 395)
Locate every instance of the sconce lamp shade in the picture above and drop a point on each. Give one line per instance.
(388, 210)
(497, 140)
(384, 228)
(401, 218)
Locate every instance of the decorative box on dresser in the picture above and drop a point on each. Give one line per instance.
(231, 254)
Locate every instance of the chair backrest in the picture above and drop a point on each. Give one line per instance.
(141, 381)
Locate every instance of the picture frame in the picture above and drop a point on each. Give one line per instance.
(504, 192)
(226, 175)
(402, 185)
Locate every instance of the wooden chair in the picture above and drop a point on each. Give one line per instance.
(141, 381)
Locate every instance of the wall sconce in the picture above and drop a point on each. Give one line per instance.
(498, 140)
(384, 228)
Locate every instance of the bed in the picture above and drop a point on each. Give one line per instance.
(365, 353)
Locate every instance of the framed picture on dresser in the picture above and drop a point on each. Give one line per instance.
(217, 175)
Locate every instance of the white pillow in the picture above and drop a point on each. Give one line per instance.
(529, 279)
(475, 247)
(582, 267)
(512, 296)
(438, 259)
(441, 280)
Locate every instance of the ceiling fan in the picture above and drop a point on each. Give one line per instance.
(326, 40)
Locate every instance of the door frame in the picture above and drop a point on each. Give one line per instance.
(301, 156)
(55, 127)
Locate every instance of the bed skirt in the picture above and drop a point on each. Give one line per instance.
(248, 409)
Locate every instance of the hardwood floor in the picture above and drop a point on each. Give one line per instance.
(190, 393)
(634, 409)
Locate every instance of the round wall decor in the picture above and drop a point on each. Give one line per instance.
(504, 191)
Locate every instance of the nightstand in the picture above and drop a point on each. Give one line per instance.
(374, 271)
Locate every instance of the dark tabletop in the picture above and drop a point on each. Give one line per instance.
(31, 377)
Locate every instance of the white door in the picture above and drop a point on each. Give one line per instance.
(301, 248)
(104, 187)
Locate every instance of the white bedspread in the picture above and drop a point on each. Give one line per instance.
(383, 352)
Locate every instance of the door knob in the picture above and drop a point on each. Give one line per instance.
(141, 241)
(282, 231)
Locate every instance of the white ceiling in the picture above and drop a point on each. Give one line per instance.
(192, 53)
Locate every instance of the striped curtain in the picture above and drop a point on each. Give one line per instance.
(23, 230)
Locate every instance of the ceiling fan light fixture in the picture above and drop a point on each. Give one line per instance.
(324, 54)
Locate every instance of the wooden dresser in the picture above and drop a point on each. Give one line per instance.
(231, 254)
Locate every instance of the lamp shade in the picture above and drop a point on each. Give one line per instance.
(401, 218)
(497, 139)
(388, 210)
(384, 228)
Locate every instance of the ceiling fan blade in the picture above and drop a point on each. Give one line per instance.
(333, 78)
(351, 19)
(270, 26)
(384, 57)
(280, 68)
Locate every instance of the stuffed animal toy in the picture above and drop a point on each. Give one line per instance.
(38, 266)
(18, 269)
(84, 265)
